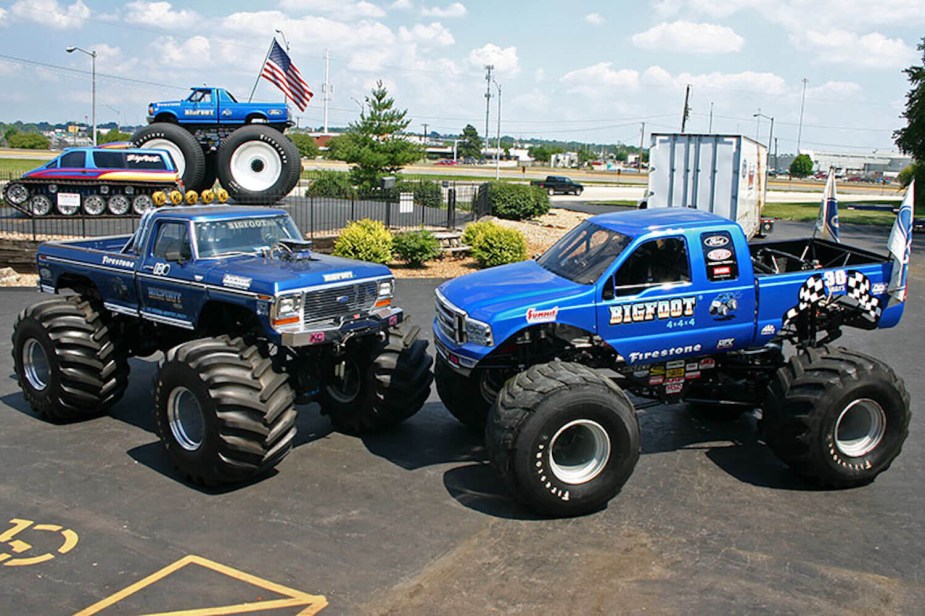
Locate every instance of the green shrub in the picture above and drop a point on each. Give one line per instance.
(365, 240)
(475, 229)
(497, 245)
(331, 184)
(517, 201)
(427, 193)
(416, 247)
(308, 147)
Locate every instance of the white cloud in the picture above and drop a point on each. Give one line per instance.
(340, 9)
(595, 19)
(113, 60)
(457, 9)
(160, 14)
(50, 13)
(835, 90)
(2, 17)
(872, 50)
(175, 52)
(600, 80)
(504, 60)
(800, 14)
(434, 34)
(401, 5)
(689, 37)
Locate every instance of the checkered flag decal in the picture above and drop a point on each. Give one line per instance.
(812, 292)
(859, 289)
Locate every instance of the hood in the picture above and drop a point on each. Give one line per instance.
(273, 275)
(510, 290)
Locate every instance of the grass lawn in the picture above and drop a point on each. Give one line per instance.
(810, 211)
(15, 167)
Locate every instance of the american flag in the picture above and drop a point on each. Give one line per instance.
(900, 245)
(281, 72)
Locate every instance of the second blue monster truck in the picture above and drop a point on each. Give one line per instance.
(249, 320)
(668, 305)
(210, 135)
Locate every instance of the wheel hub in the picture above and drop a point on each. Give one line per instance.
(256, 166)
(186, 419)
(860, 428)
(345, 386)
(579, 451)
(35, 365)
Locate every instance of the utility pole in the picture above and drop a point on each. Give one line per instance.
(326, 88)
(498, 141)
(424, 136)
(800, 131)
(687, 109)
(710, 130)
(488, 69)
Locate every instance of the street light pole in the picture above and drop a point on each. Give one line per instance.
(92, 55)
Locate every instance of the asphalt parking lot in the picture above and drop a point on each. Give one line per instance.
(415, 522)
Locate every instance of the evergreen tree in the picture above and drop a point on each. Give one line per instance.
(911, 138)
(471, 143)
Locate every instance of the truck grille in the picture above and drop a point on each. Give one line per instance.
(450, 319)
(342, 301)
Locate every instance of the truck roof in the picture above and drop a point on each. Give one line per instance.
(640, 222)
(201, 213)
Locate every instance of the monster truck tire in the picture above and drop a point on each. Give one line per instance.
(68, 362)
(185, 151)
(382, 384)
(210, 175)
(563, 438)
(467, 398)
(836, 416)
(257, 164)
(221, 410)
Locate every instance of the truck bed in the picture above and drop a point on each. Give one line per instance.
(772, 258)
(112, 243)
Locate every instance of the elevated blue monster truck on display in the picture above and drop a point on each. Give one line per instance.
(249, 320)
(210, 136)
(668, 305)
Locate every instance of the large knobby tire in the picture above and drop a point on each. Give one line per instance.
(258, 165)
(563, 438)
(221, 410)
(836, 416)
(185, 151)
(210, 175)
(68, 362)
(467, 398)
(377, 386)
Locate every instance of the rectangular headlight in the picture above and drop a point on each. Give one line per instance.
(288, 305)
(478, 333)
(386, 288)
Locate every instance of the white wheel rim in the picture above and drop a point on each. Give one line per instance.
(94, 205)
(187, 423)
(35, 364)
(40, 205)
(175, 152)
(256, 166)
(579, 451)
(119, 204)
(142, 203)
(17, 194)
(860, 428)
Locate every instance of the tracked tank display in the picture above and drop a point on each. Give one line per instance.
(113, 179)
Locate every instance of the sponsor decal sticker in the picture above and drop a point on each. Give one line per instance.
(677, 363)
(878, 288)
(719, 254)
(707, 363)
(236, 282)
(107, 260)
(768, 330)
(674, 388)
(674, 373)
(725, 343)
(665, 353)
(655, 310)
(142, 158)
(542, 316)
(338, 276)
(715, 241)
(656, 380)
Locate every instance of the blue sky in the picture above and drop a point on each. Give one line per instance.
(586, 70)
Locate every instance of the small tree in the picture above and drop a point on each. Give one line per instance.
(308, 147)
(373, 144)
(470, 144)
(112, 136)
(911, 138)
(543, 153)
(28, 141)
(801, 166)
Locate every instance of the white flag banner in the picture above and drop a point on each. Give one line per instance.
(900, 245)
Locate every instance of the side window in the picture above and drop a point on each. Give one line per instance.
(73, 160)
(172, 237)
(109, 160)
(719, 256)
(653, 264)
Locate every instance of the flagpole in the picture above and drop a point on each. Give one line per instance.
(260, 72)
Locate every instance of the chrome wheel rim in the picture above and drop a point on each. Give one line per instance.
(142, 203)
(40, 205)
(175, 152)
(35, 365)
(256, 166)
(94, 205)
(860, 428)
(186, 419)
(346, 384)
(118, 204)
(17, 194)
(579, 451)
(67, 209)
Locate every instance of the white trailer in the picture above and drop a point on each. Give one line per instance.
(723, 174)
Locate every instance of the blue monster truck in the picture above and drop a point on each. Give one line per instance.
(210, 135)
(668, 305)
(249, 320)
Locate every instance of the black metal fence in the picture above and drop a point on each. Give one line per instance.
(315, 216)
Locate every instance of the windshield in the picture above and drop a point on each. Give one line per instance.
(584, 253)
(243, 236)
